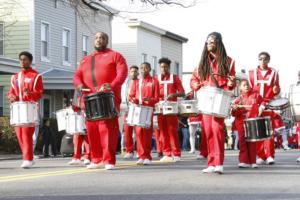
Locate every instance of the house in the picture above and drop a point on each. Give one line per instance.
(58, 35)
(141, 42)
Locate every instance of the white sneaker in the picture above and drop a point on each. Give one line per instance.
(243, 165)
(254, 166)
(192, 151)
(260, 161)
(147, 162)
(109, 167)
(219, 169)
(75, 162)
(209, 169)
(86, 161)
(200, 157)
(128, 156)
(285, 147)
(140, 162)
(176, 158)
(166, 159)
(94, 165)
(270, 161)
(27, 164)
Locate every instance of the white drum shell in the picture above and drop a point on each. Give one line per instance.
(170, 108)
(75, 124)
(24, 114)
(214, 101)
(295, 101)
(188, 107)
(139, 115)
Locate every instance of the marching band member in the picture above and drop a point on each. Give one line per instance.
(110, 72)
(170, 87)
(144, 91)
(265, 81)
(298, 123)
(128, 130)
(248, 97)
(78, 140)
(214, 60)
(27, 85)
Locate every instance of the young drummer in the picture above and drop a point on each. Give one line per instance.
(144, 91)
(248, 97)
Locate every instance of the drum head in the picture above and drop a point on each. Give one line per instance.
(280, 103)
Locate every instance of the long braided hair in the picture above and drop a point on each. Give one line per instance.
(223, 65)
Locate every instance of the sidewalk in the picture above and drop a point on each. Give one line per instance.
(4, 156)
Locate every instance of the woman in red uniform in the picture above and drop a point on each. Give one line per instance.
(214, 60)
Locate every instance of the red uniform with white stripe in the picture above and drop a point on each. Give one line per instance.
(214, 126)
(168, 125)
(110, 67)
(147, 87)
(263, 83)
(247, 152)
(31, 81)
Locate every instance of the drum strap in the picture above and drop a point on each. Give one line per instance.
(19, 85)
(93, 72)
(140, 91)
(214, 78)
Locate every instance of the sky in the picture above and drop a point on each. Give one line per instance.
(247, 26)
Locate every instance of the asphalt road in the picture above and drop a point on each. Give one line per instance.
(53, 179)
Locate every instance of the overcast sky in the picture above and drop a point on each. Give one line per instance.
(248, 27)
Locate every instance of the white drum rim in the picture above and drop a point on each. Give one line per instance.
(257, 118)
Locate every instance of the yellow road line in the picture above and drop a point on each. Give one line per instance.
(64, 172)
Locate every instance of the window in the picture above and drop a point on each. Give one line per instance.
(1, 39)
(177, 70)
(1, 101)
(144, 57)
(85, 42)
(66, 46)
(45, 41)
(154, 65)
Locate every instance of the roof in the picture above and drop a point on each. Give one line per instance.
(56, 78)
(97, 5)
(155, 29)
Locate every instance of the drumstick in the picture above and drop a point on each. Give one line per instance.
(85, 89)
(226, 76)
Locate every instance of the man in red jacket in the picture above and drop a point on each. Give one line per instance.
(110, 72)
(214, 60)
(26, 86)
(144, 91)
(265, 81)
(170, 87)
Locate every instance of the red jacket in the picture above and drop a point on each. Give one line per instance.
(195, 120)
(174, 85)
(29, 80)
(110, 67)
(270, 79)
(222, 81)
(149, 88)
(250, 98)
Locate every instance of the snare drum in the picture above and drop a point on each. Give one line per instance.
(61, 119)
(170, 108)
(24, 114)
(99, 106)
(188, 108)
(214, 101)
(139, 115)
(295, 101)
(279, 104)
(257, 129)
(75, 124)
